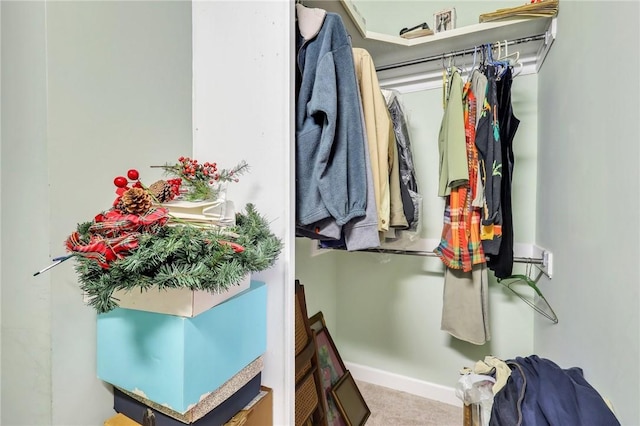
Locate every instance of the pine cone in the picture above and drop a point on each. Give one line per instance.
(161, 190)
(120, 206)
(136, 201)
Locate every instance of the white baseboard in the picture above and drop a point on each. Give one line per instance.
(403, 383)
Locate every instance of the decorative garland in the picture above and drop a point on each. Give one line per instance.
(180, 256)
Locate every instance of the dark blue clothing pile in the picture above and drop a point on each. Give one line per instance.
(540, 393)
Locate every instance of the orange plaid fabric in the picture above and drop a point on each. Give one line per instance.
(460, 245)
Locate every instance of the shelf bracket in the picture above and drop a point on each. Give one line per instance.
(549, 37)
(546, 265)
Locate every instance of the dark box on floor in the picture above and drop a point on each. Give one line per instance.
(138, 411)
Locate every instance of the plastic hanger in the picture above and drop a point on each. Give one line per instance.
(512, 59)
(539, 303)
(500, 66)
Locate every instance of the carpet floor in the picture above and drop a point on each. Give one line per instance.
(396, 408)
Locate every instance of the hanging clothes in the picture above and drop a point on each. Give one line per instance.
(479, 88)
(381, 142)
(489, 147)
(502, 263)
(411, 199)
(360, 233)
(465, 304)
(330, 160)
(451, 139)
(460, 246)
(465, 311)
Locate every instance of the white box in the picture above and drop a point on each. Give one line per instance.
(176, 301)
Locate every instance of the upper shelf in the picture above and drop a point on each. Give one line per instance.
(389, 51)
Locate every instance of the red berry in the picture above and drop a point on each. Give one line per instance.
(120, 181)
(133, 174)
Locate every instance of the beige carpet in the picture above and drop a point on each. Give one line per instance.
(395, 408)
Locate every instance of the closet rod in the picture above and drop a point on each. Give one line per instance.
(530, 260)
(457, 53)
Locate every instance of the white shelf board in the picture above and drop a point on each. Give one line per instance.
(387, 50)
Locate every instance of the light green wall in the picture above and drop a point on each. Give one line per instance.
(25, 378)
(317, 272)
(90, 89)
(588, 205)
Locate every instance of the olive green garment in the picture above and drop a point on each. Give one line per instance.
(454, 170)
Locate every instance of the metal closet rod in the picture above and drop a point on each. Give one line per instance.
(456, 53)
(529, 260)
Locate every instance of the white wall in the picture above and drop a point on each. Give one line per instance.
(112, 91)
(243, 106)
(588, 205)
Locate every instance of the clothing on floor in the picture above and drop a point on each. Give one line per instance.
(540, 393)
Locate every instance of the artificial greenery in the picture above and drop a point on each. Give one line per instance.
(182, 256)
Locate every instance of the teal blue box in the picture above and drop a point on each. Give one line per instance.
(173, 360)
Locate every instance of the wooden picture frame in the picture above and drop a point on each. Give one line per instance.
(350, 402)
(316, 322)
(330, 366)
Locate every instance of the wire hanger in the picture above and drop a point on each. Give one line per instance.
(538, 302)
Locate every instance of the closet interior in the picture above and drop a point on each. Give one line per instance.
(382, 296)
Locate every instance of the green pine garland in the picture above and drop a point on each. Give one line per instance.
(182, 256)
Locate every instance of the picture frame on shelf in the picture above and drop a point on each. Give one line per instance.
(444, 20)
(352, 406)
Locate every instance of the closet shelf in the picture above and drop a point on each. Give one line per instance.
(416, 64)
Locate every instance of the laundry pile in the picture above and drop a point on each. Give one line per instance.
(530, 391)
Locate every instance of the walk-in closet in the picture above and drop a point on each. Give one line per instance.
(384, 305)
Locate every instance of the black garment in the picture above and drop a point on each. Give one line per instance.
(490, 156)
(502, 263)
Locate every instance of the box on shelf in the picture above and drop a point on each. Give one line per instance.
(258, 412)
(142, 413)
(177, 301)
(175, 361)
